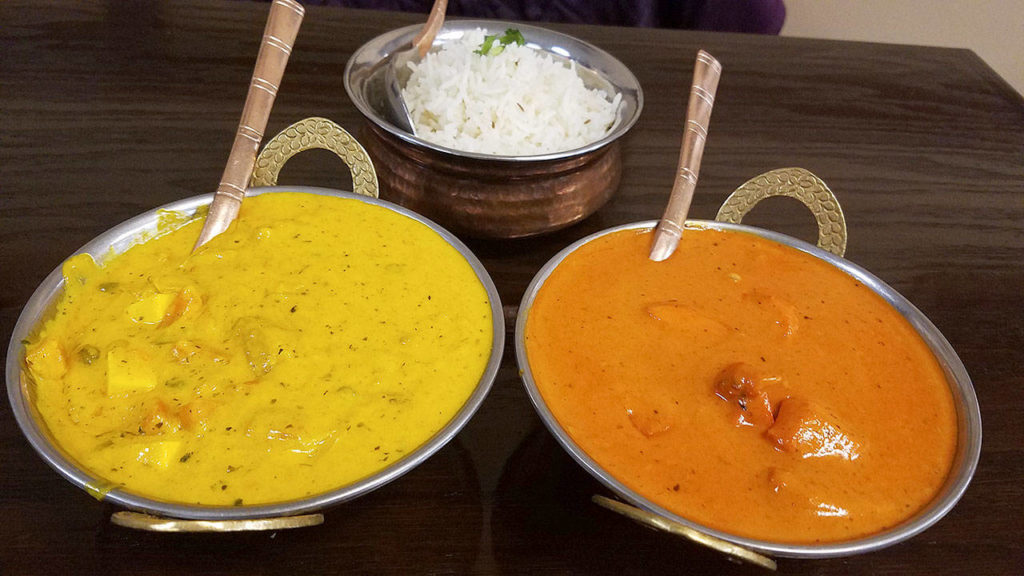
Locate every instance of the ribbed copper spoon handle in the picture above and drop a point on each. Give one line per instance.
(278, 38)
(706, 72)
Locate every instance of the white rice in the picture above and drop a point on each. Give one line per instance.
(520, 102)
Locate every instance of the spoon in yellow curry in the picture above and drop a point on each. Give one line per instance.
(706, 72)
(278, 38)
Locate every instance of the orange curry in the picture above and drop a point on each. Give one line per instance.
(744, 385)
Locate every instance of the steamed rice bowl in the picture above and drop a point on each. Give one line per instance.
(518, 102)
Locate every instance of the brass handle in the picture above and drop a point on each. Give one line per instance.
(795, 183)
(149, 523)
(278, 38)
(316, 133)
(664, 524)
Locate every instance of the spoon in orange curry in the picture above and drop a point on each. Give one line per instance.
(278, 38)
(706, 72)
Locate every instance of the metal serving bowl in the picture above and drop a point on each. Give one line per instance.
(120, 238)
(483, 194)
(968, 446)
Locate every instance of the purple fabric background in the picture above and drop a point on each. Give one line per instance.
(750, 16)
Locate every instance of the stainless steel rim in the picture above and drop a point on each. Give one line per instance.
(968, 412)
(125, 234)
(367, 61)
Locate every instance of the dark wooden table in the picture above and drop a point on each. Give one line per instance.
(108, 109)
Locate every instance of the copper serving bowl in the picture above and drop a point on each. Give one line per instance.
(489, 195)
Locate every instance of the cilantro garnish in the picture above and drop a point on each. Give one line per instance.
(489, 48)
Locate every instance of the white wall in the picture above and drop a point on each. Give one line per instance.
(993, 29)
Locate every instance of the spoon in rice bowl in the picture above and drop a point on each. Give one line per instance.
(397, 73)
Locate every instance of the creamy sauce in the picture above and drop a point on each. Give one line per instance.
(314, 343)
(744, 385)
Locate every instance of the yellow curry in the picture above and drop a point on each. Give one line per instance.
(314, 343)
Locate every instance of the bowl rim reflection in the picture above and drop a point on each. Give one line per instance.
(122, 236)
(369, 59)
(969, 431)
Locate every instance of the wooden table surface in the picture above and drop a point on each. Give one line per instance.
(108, 109)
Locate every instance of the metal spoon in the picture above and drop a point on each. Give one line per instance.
(706, 72)
(278, 38)
(397, 73)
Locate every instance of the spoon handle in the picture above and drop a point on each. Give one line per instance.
(706, 72)
(425, 39)
(278, 38)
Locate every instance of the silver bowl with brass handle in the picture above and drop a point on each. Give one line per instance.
(166, 516)
(807, 188)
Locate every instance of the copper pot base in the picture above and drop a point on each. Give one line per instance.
(493, 199)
